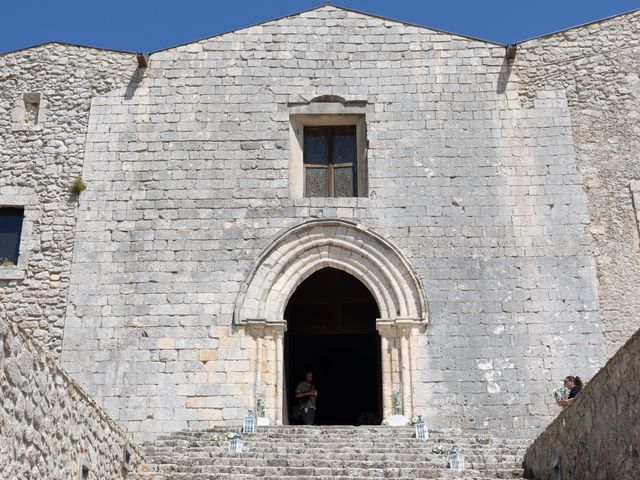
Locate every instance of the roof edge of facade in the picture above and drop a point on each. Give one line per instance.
(410, 24)
(294, 14)
(68, 44)
(381, 17)
(582, 25)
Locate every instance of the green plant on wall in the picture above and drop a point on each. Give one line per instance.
(7, 263)
(77, 186)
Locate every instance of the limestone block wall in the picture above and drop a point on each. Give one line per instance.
(189, 181)
(45, 95)
(597, 436)
(597, 68)
(47, 422)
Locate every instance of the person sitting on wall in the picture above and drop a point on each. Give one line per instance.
(306, 394)
(574, 384)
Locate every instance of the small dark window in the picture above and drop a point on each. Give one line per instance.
(126, 458)
(330, 162)
(10, 232)
(85, 469)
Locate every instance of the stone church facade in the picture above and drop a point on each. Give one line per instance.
(490, 208)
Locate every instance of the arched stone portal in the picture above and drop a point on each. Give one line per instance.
(344, 245)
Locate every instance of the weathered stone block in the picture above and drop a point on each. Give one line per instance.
(206, 355)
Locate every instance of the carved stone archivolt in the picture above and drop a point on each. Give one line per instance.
(316, 244)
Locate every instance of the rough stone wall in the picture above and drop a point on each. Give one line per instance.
(40, 156)
(597, 436)
(47, 423)
(189, 181)
(597, 66)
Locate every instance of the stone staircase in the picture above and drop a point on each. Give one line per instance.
(329, 452)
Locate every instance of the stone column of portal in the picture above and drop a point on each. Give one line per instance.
(405, 370)
(394, 353)
(272, 376)
(387, 381)
(258, 384)
(279, 339)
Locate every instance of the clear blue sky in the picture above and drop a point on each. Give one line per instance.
(143, 25)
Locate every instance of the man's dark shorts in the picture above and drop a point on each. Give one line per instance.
(308, 416)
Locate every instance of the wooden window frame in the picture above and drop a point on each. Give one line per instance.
(331, 166)
(326, 114)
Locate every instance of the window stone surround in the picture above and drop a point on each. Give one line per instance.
(19, 112)
(325, 114)
(31, 214)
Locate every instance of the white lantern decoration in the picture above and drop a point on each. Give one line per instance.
(235, 443)
(421, 429)
(456, 459)
(249, 425)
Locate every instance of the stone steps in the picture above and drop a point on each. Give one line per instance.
(331, 446)
(329, 440)
(467, 476)
(296, 462)
(315, 448)
(247, 459)
(362, 453)
(313, 471)
(444, 475)
(221, 453)
(286, 430)
(334, 432)
(251, 451)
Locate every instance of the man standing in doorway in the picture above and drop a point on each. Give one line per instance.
(306, 394)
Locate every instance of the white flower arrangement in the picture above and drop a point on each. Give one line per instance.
(221, 437)
(440, 449)
(414, 420)
(561, 393)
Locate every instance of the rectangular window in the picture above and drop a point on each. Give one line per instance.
(330, 162)
(10, 232)
(31, 108)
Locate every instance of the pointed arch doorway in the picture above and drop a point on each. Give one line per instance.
(295, 255)
(331, 330)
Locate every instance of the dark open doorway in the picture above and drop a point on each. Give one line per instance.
(331, 330)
